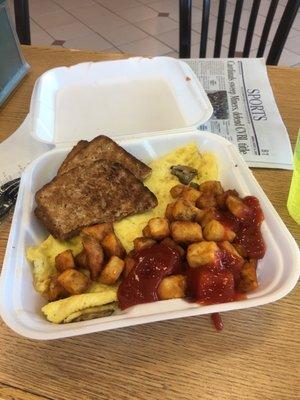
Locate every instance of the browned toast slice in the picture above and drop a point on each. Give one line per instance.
(76, 149)
(87, 195)
(104, 148)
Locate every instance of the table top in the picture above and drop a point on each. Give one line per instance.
(255, 357)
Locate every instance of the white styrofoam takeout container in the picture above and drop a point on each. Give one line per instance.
(20, 304)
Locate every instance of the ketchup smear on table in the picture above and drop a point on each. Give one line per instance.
(152, 265)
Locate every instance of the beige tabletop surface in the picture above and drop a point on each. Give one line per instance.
(256, 356)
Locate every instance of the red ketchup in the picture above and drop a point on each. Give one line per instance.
(217, 321)
(217, 282)
(152, 265)
(249, 235)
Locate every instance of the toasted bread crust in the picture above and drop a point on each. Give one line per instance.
(102, 147)
(87, 195)
(75, 150)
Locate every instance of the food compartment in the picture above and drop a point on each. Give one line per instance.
(20, 304)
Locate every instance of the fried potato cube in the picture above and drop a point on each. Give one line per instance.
(190, 194)
(195, 185)
(215, 231)
(64, 260)
(226, 245)
(158, 228)
(111, 271)
(173, 245)
(112, 246)
(73, 281)
(184, 211)
(99, 231)
(146, 232)
(212, 187)
(186, 232)
(94, 255)
(221, 198)
(176, 191)
(81, 260)
(169, 211)
(55, 290)
(206, 200)
(202, 253)
(237, 207)
(172, 287)
(240, 250)
(248, 275)
(142, 243)
(208, 215)
(129, 264)
(199, 215)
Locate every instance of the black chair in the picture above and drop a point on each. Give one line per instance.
(278, 43)
(22, 21)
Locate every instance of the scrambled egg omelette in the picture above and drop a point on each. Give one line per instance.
(99, 298)
(160, 182)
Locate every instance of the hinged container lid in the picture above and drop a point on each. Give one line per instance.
(116, 98)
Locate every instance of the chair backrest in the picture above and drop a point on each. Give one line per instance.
(22, 21)
(278, 42)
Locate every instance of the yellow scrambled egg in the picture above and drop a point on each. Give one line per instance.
(160, 182)
(101, 298)
(43, 259)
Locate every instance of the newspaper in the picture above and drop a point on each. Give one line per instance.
(245, 112)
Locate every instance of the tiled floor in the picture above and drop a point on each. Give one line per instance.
(144, 27)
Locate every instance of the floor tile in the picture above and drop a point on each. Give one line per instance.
(264, 8)
(69, 31)
(296, 24)
(111, 50)
(146, 1)
(157, 25)
(171, 38)
(209, 50)
(146, 47)
(91, 13)
(214, 6)
(90, 42)
(122, 35)
(97, 17)
(244, 18)
(241, 41)
(73, 4)
(54, 19)
(170, 6)
(293, 44)
(41, 38)
(136, 14)
(288, 58)
(173, 54)
(34, 26)
(115, 5)
(212, 26)
(41, 7)
(58, 42)
(293, 32)
(106, 24)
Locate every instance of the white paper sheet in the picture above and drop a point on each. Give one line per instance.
(17, 151)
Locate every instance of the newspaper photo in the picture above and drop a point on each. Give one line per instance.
(245, 112)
